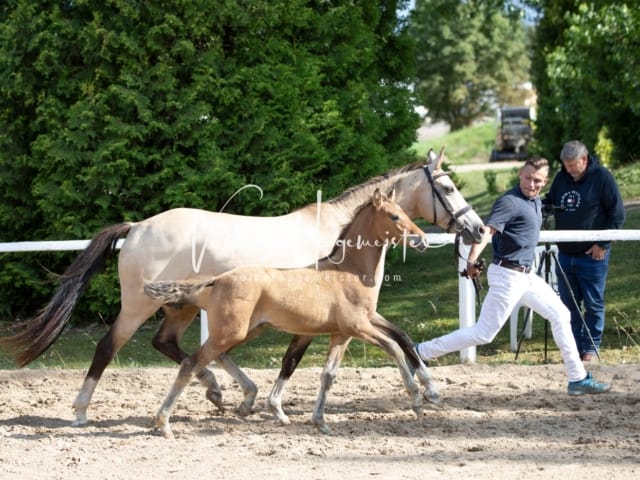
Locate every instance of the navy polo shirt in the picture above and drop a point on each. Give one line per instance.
(517, 220)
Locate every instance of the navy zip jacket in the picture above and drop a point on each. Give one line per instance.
(591, 203)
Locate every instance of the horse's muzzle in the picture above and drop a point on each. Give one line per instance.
(472, 236)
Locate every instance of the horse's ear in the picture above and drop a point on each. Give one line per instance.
(392, 195)
(431, 156)
(378, 199)
(441, 158)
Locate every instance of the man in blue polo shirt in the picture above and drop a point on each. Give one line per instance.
(513, 226)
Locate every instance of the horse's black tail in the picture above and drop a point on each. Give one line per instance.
(402, 338)
(38, 333)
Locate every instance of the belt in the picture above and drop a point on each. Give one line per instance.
(511, 265)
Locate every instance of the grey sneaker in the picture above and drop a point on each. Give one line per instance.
(587, 385)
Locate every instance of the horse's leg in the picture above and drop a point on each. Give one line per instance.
(296, 350)
(430, 393)
(337, 346)
(176, 320)
(125, 325)
(246, 384)
(379, 337)
(406, 344)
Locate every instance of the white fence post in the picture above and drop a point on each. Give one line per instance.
(204, 326)
(467, 303)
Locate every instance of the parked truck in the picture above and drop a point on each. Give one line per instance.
(515, 131)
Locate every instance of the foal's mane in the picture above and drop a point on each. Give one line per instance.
(360, 195)
(346, 227)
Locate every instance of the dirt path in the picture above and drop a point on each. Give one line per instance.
(500, 422)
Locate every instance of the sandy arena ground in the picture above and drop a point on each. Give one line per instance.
(503, 422)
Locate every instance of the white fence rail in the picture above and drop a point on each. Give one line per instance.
(467, 311)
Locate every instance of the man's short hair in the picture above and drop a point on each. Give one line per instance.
(537, 162)
(573, 150)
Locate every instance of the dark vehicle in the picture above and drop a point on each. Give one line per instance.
(514, 134)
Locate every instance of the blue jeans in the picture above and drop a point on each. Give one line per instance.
(587, 278)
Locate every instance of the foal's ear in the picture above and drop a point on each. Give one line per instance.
(378, 199)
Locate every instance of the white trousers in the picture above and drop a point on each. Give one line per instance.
(506, 289)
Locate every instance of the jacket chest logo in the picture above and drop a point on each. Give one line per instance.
(570, 201)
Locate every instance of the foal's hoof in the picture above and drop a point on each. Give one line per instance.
(215, 397)
(163, 432)
(320, 425)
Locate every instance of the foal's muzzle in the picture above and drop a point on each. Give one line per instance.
(419, 242)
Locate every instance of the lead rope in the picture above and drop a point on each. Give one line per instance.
(479, 265)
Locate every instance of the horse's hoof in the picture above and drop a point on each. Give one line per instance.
(79, 422)
(81, 419)
(276, 411)
(244, 410)
(282, 418)
(324, 429)
(432, 397)
(215, 397)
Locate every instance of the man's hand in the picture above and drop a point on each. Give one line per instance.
(474, 269)
(596, 252)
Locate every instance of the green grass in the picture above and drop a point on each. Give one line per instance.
(470, 145)
(420, 295)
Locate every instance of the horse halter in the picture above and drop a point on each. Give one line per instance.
(444, 202)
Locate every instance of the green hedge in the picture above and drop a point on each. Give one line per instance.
(118, 110)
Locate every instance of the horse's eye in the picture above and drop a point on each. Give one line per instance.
(449, 190)
(395, 217)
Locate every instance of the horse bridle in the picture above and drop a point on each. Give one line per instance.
(443, 201)
(454, 217)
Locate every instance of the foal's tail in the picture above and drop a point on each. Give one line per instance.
(38, 333)
(170, 292)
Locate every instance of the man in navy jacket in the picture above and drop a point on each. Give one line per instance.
(584, 196)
